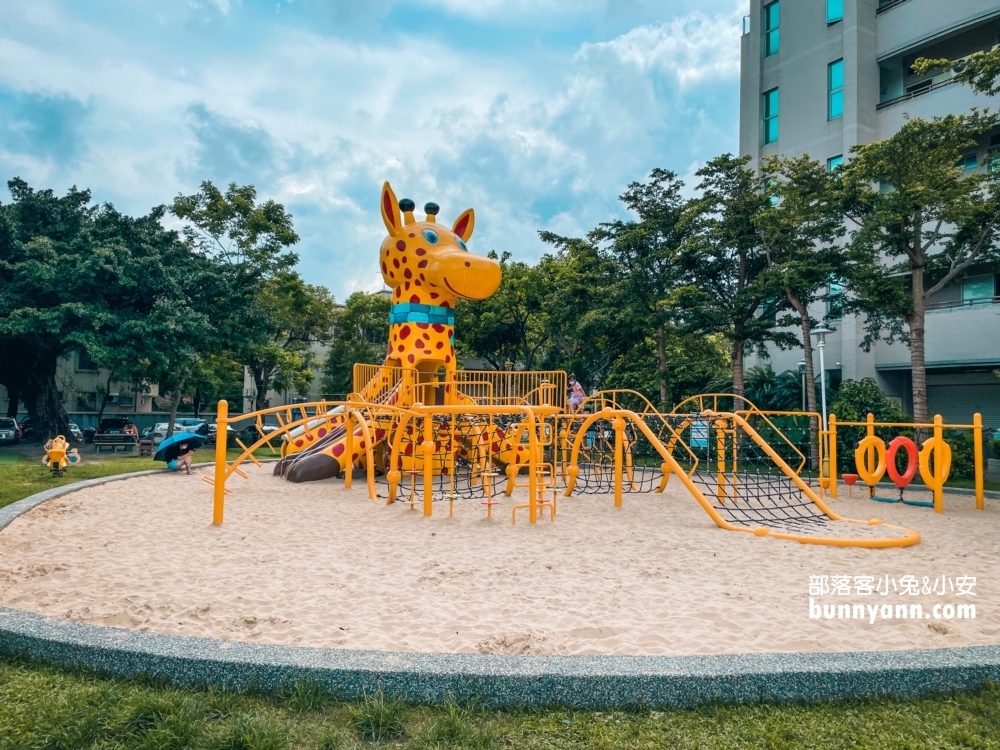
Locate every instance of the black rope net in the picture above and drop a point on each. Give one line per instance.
(747, 486)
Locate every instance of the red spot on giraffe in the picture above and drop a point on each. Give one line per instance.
(385, 269)
(321, 431)
(440, 345)
(415, 298)
(446, 304)
(427, 351)
(401, 348)
(434, 295)
(407, 286)
(450, 333)
(439, 328)
(422, 264)
(447, 358)
(405, 259)
(412, 234)
(420, 250)
(338, 449)
(298, 443)
(407, 273)
(419, 344)
(422, 326)
(416, 283)
(409, 358)
(362, 443)
(395, 262)
(404, 332)
(354, 457)
(401, 245)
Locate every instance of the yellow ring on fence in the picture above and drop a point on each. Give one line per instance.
(870, 475)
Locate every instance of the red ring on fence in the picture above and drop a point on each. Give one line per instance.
(912, 461)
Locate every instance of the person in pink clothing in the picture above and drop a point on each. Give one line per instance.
(576, 394)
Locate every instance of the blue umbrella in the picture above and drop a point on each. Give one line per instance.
(170, 448)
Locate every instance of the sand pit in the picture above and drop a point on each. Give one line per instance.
(318, 565)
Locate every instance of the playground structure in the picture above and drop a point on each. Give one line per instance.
(425, 432)
(59, 456)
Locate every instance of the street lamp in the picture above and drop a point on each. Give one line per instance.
(820, 333)
(802, 377)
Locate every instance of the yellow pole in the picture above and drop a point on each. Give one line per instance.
(977, 448)
(720, 447)
(348, 445)
(619, 426)
(220, 462)
(939, 490)
(831, 454)
(428, 448)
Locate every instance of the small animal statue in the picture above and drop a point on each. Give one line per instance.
(58, 455)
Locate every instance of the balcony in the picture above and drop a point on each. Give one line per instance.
(960, 333)
(915, 23)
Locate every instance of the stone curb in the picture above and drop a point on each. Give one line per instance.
(494, 680)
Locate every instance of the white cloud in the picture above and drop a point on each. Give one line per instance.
(318, 121)
(694, 48)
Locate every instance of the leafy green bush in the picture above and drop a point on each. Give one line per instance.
(995, 448)
(963, 454)
(856, 399)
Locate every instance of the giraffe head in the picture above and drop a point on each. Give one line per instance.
(429, 268)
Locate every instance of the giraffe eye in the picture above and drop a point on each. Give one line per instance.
(431, 236)
(461, 244)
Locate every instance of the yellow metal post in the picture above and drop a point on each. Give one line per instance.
(348, 446)
(831, 454)
(428, 448)
(977, 449)
(619, 425)
(220, 462)
(939, 490)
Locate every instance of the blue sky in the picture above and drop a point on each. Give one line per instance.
(537, 113)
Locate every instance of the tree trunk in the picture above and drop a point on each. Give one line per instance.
(13, 397)
(175, 401)
(49, 418)
(810, 389)
(918, 364)
(661, 363)
(738, 348)
(104, 397)
(260, 383)
(197, 402)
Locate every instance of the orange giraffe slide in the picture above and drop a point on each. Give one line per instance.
(428, 267)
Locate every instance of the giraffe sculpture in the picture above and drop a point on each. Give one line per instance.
(429, 268)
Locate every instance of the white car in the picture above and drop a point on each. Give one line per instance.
(160, 431)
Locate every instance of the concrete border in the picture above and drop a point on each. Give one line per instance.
(494, 680)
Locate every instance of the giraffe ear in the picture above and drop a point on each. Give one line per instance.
(464, 224)
(390, 210)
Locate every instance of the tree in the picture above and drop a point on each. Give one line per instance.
(980, 70)
(362, 327)
(920, 225)
(585, 322)
(252, 241)
(293, 316)
(725, 264)
(647, 253)
(509, 325)
(798, 230)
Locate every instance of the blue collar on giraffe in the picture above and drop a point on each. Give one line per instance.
(414, 312)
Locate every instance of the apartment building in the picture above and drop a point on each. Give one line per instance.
(819, 76)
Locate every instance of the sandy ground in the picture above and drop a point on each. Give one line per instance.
(318, 565)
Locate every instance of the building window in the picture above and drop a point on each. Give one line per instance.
(84, 363)
(772, 15)
(771, 116)
(968, 161)
(836, 85)
(834, 161)
(978, 290)
(835, 301)
(834, 11)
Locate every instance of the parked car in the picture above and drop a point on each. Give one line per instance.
(27, 429)
(75, 432)
(10, 432)
(199, 426)
(88, 434)
(114, 433)
(213, 431)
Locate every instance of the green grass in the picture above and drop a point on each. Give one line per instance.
(44, 707)
(24, 477)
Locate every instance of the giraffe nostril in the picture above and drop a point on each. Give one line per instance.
(467, 264)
